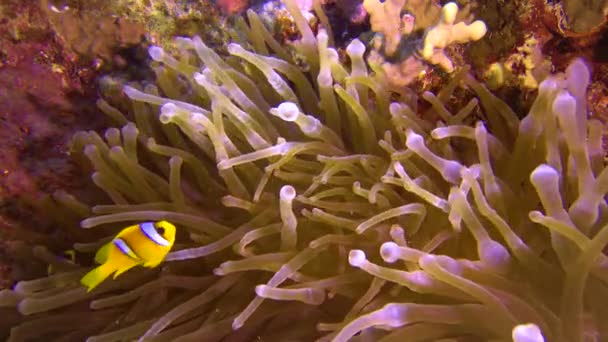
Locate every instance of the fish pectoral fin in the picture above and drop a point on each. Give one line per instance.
(124, 269)
(102, 254)
(152, 263)
(96, 276)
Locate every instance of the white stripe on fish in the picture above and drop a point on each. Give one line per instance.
(125, 249)
(150, 231)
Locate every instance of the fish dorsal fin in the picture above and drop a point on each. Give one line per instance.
(102, 254)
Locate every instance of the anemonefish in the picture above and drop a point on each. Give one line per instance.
(144, 244)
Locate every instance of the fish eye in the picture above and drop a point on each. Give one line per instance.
(161, 230)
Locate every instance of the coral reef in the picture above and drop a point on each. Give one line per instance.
(93, 36)
(347, 18)
(400, 52)
(125, 21)
(327, 204)
(528, 57)
(583, 16)
(445, 32)
(46, 96)
(232, 6)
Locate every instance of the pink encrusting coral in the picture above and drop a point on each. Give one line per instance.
(325, 205)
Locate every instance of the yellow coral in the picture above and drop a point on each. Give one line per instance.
(385, 17)
(446, 33)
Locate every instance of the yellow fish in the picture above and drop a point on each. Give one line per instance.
(144, 244)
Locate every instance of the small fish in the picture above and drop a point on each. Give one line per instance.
(144, 244)
(70, 258)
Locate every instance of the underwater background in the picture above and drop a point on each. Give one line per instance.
(334, 170)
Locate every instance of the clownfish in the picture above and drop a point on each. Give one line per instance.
(144, 244)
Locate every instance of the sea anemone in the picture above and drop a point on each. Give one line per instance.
(325, 204)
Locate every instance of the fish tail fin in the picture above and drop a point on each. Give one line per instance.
(96, 276)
